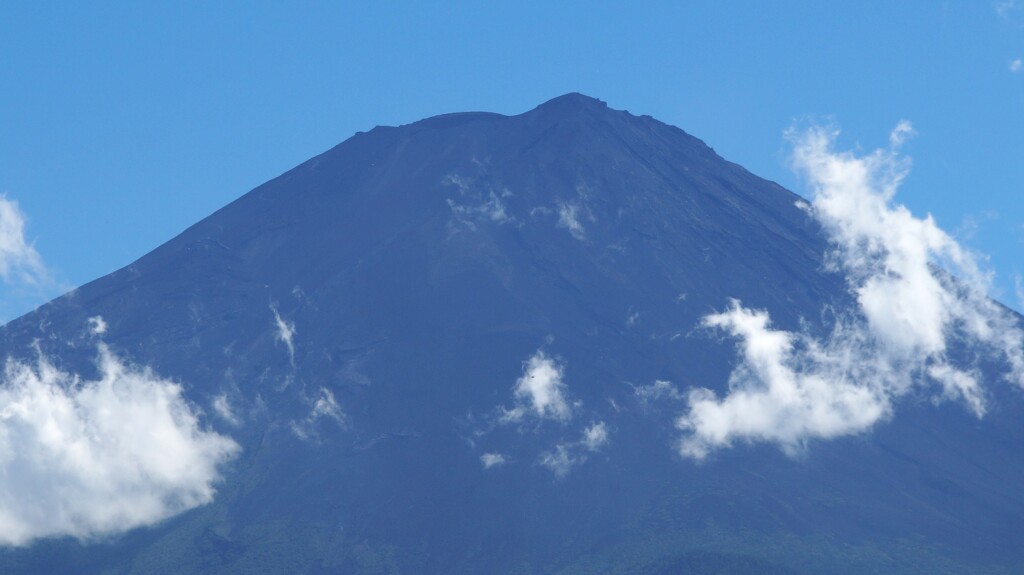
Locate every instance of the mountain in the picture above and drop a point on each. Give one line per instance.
(464, 345)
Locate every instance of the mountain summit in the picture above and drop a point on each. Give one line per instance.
(478, 344)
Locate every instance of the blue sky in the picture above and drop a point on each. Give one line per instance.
(121, 124)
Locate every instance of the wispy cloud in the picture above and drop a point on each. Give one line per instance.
(492, 209)
(633, 318)
(561, 459)
(657, 391)
(25, 278)
(89, 458)
(97, 325)
(1007, 8)
(480, 203)
(916, 289)
(596, 436)
(20, 263)
(285, 334)
(1018, 288)
(324, 406)
(567, 455)
(971, 223)
(222, 407)
(490, 460)
(900, 134)
(569, 218)
(541, 395)
(1016, 65)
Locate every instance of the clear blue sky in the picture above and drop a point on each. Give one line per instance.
(122, 123)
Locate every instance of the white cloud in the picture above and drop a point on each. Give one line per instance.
(916, 289)
(86, 458)
(483, 206)
(540, 391)
(541, 394)
(97, 325)
(514, 415)
(561, 460)
(971, 223)
(786, 390)
(1007, 8)
(325, 406)
(567, 455)
(657, 391)
(596, 436)
(900, 134)
(285, 334)
(569, 218)
(222, 406)
(633, 318)
(491, 209)
(20, 263)
(1016, 65)
(959, 384)
(1018, 286)
(489, 460)
(892, 259)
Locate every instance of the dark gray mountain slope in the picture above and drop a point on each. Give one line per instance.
(420, 266)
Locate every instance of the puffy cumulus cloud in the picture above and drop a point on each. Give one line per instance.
(89, 458)
(540, 391)
(787, 389)
(917, 291)
(20, 263)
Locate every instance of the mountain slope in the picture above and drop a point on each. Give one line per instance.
(368, 314)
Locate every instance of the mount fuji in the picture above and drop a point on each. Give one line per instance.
(570, 341)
